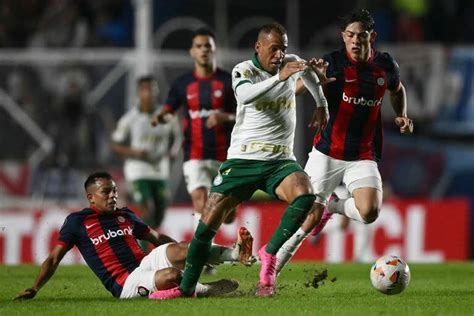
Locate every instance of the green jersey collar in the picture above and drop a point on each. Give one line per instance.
(257, 63)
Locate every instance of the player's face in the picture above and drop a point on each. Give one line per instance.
(103, 195)
(271, 49)
(358, 41)
(203, 50)
(147, 92)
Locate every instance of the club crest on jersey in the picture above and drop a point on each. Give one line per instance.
(381, 81)
(218, 93)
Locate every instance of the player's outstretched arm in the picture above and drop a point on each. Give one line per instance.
(248, 92)
(157, 239)
(398, 99)
(46, 271)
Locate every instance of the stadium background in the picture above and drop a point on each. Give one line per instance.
(68, 71)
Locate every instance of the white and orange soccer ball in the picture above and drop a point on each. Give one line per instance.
(390, 274)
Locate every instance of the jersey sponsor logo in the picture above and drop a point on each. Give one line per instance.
(121, 219)
(282, 103)
(191, 96)
(201, 113)
(351, 80)
(112, 234)
(266, 147)
(91, 225)
(361, 101)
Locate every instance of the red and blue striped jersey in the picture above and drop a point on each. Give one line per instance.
(201, 97)
(354, 130)
(107, 243)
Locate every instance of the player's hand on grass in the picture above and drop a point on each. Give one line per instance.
(405, 124)
(26, 294)
(291, 68)
(320, 67)
(320, 119)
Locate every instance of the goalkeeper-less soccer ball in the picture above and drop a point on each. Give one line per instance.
(390, 274)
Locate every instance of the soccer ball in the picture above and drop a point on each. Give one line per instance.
(390, 274)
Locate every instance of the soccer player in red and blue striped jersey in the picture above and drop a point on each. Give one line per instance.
(106, 237)
(348, 148)
(209, 113)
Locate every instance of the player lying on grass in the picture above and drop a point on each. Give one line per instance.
(106, 237)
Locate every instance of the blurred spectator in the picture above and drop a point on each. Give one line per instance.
(60, 26)
(72, 130)
(18, 20)
(409, 26)
(113, 23)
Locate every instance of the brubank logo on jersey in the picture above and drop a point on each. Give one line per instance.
(361, 101)
(112, 234)
(201, 113)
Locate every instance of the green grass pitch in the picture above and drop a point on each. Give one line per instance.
(435, 289)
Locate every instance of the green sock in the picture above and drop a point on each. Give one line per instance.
(198, 252)
(294, 216)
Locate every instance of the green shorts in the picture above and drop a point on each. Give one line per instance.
(241, 177)
(147, 189)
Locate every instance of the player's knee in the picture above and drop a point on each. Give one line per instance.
(167, 278)
(182, 251)
(369, 214)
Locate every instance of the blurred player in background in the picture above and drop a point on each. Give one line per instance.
(147, 154)
(209, 113)
(260, 155)
(106, 237)
(350, 146)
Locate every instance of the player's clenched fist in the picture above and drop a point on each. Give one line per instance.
(405, 124)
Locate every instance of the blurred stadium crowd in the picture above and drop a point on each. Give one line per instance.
(54, 97)
(87, 23)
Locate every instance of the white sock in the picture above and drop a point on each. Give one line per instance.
(346, 207)
(220, 254)
(201, 288)
(289, 248)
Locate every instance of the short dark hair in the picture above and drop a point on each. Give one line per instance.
(358, 15)
(203, 31)
(272, 27)
(145, 78)
(93, 177)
